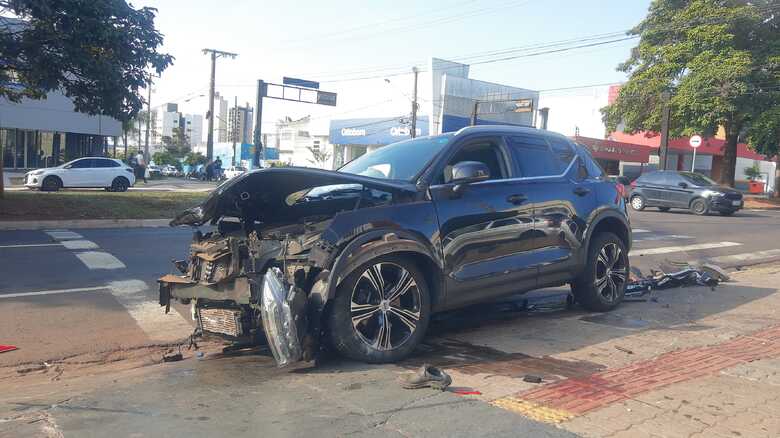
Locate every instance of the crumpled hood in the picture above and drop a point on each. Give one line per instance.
(261, 194)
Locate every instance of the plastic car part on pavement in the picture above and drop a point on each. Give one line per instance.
(279, 319)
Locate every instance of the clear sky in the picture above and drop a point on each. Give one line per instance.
(331, 40)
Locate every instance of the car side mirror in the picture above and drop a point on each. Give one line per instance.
(466, 172)
(683, 185)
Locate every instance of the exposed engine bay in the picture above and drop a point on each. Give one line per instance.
(263, 274)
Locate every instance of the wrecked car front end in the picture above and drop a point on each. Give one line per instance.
(262, 275)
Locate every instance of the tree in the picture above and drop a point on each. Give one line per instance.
(195, 159)
(165, 158)
(764, 137)
(98, 53)
(178, 144)
(719, 59)
(320, 156)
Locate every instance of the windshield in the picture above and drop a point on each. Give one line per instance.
(399, 161)
(698, 179)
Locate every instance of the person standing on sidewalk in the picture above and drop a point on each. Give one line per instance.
(139, 159)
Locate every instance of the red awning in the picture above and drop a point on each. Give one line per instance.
(710, 146)
(615, 150)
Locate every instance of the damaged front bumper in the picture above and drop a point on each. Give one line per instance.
(240, 308)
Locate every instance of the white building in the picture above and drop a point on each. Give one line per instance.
(221, 118)
(298, 145)
(576, 112)
(241, 124)
(192, 124)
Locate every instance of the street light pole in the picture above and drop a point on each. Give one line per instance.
(214, 55)
(234, 131)
(414, 105)
(148, 119)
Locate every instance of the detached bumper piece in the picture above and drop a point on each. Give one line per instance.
(283, 311)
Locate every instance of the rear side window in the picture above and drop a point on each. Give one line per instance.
(593, 168)
(651, 178)
(105, 163)
(533, 156)
(563, 151)
(82, 164)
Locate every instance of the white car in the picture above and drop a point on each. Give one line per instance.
(113, 175)
(233, 171)
(169, 170)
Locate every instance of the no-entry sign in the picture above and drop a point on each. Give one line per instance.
(695, 141)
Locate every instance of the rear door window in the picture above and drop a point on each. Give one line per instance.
(104, 163)
(85, 163)
(563, 151)
(533, 156)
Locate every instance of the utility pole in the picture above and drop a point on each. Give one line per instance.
(214, 55)
(235, 128)
(474, 113)
(665, 115)
(413, 132)
(258, 122)
(148, 119)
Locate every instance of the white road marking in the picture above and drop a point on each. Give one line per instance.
(30, 245)
(100, 260)
(639, 230)
(54, 292)
(662, 237)
(696, 247)
(750, 256)
(79, 244)
(149, 315)
(59, 235)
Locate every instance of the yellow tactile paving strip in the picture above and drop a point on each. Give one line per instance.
(532, 410)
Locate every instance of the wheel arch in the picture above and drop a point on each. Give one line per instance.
(613, 222)
(376, 244)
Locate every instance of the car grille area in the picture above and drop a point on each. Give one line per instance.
(221, 321)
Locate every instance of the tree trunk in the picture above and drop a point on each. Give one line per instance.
(2, 184)
(124, 138)
(777, 176)
(729, 155)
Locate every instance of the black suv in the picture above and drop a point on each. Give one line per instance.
(363, 256)
(668, 189)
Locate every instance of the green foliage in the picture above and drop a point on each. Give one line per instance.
(99, 52)
(178, 144)
(163, 158)
(719, 59)
(319, 155)
(195, 159)
(753, 172)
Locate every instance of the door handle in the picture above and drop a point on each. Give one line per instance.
(516, 199)
(581, 191)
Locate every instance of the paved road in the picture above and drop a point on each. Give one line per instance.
(83, 284)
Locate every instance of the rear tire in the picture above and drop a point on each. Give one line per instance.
(664, 209)
(638, 202)
(364, 326)
(602, 284)
(700, 207)
(120, 184)
(51, 184)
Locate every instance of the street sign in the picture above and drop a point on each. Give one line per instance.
(695, 141)
(524, 105)
(300, 82)
(326, 98)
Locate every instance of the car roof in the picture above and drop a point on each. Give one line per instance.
(509, 130)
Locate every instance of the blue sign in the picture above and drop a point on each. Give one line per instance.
(375, 131)
(248, 152)
(295, 82)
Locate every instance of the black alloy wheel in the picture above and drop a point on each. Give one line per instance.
(51, 184)
(381, 311)
(602, 284)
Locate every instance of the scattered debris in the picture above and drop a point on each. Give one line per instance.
(530, 378)
(624, 350)
(706, 275)
(466, 392)
(6, 348)
(172, 357)
(426, 376)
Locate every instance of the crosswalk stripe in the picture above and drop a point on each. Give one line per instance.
(662, 237)
(639, 230)
(695, 247)
(79, 244)
(152, 319)
(60, 235)
(99, 260)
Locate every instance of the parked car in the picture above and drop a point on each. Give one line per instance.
(169, 170)
(233, 171)
(153, 172)
(623, 184)
(111, 174)
(667, 189)
(366, 254)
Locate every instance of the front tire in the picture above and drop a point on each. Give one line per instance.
(602, 284)
(120, 184)
(381, 311)
(700, 207)
(51, 184)
(638, 202)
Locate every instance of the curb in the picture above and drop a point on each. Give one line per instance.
(83, 223)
